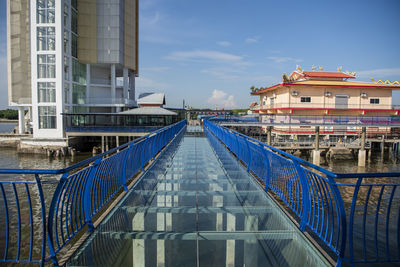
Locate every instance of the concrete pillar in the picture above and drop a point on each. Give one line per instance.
(106, 141)
(138, 245)
(269, 130)
(126, 82)
(113, 83)
(21, 120)
(102, 144)
(131, 92)
(117, 142)
(316, 154)
(230, 244)
(88, 82)
(362, 152)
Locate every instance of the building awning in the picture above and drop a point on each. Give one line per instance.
(149, 111)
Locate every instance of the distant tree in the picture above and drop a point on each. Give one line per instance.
(9, 114)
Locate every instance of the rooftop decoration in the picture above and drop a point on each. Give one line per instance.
(385, 82)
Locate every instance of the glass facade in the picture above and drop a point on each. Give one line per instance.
(46, 38)
(45, 11)
(47, 117)
(46, 66)
(46, 92)
(66, 68)
(78, 94)
(78, 72)
(74, 45)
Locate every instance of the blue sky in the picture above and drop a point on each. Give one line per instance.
(210, 52)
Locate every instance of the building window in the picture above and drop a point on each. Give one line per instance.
(74, 22)
(66, 68)
(47, 92)
(47, 118)
(74, 45)
(45, 11)
(374, 100)
(66, 41)
(305, 99)
(78, 72)
(66, 93)
(46, 66)
(78, 94)
(66, 16)
(46, 38)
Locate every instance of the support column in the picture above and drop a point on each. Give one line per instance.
(102, 144)
(106, 141)
(131, 93)
(126, 82)
(117, 142)
(21, 120)
(316, 152)
(362, 153)
(113, 81)
(88, 82)
(269, 130)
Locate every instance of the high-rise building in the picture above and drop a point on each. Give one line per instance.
(67, 56)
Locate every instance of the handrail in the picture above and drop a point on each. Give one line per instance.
(83, 190)
(338, 208)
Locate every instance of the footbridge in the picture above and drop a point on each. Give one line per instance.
(198, 197)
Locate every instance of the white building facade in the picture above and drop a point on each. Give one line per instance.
(74, 56)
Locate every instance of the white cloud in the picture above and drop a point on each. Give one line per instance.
(252, 40)
(379, 73)
(222, 100)
(155, 69)
(144, 84)
(203, 55)
(224, 43)
(285, 59)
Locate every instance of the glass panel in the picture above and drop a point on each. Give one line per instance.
(45, 11)
(78, 72)
(47, 92)
(47, 117)
(46, 39)
(74, 21)
(46, 66)
(74, 45)
(78, 94)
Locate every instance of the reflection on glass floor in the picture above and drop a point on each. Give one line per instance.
(189, 210)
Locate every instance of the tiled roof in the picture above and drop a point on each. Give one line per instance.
(319, 74)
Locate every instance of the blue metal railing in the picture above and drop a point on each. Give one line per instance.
(355, 215)
(33, 232)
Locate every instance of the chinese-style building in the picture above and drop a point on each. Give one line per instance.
(324, 94)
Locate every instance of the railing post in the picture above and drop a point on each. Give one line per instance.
(248, 151)
(305, 195)
(268, 168)
(124, 175)
(43, 206)
(50, 219)
(342, 217)
(87, 193)
(143, 150)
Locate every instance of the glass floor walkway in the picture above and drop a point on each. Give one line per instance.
(194, 208)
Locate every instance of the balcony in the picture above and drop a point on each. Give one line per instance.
(108, 102)
(326, 106)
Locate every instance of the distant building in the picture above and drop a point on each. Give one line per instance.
(70, 57)
(323, 93)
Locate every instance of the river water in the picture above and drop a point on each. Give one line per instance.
(7, 127)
